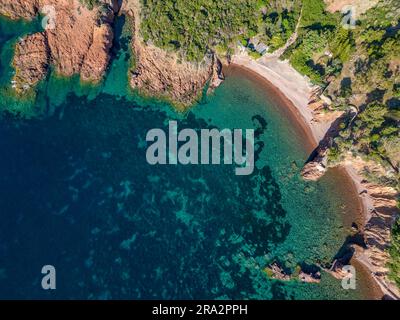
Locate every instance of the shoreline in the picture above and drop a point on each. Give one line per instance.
(379, 214)
(296, 98)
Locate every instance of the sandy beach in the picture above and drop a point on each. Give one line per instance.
(297, 90)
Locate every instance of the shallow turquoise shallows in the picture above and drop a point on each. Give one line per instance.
(78, 194)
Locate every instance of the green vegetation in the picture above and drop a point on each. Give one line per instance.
(255, 55)
(373, 135)
(356, 67)
(315, 17)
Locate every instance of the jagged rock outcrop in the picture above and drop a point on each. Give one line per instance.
(158, 73)
(337, 270)
(380, 201)
(77, 40)
(97, 57)
(217, 75)
(309, 278)
(31, 61)
(274, 271)
(360, 6)
(316, 167)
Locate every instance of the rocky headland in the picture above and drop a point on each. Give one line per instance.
(167, 75)
(371, 178)
(76, 40)
(31, 61)
(158, 73)
(17, 9)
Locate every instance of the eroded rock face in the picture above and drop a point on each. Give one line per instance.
(360, 6)
(371, 245)
(377, 231)
(97, 58)
(71, 38)
(309, 278)
(31, 61)
(317, 167)
(77, 42)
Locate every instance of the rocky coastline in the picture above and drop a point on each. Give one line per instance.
(380, 211)
(166, 75)
(276, 272)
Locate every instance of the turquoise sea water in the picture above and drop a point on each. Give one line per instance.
(77, 193)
